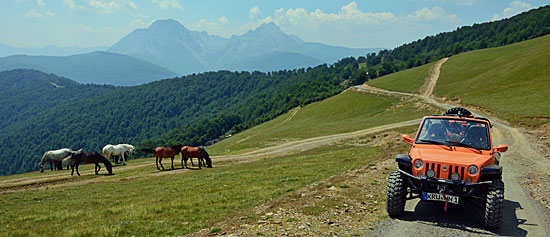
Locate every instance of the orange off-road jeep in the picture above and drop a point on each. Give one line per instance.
(452, 158)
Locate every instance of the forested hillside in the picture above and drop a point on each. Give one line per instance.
(42, 111)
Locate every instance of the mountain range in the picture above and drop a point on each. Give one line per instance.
(167, 49)
(51, 50)
(169, 44)
(97, 67)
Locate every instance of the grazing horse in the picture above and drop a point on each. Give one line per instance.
(165, 152)
(189, 152)
(90, 157)
(55, 156)
(117, 150)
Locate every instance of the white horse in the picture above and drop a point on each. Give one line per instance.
(117, 150)
(55, 156)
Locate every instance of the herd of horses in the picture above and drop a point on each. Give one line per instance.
(72, 159)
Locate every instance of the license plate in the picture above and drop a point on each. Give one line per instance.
(439, 197)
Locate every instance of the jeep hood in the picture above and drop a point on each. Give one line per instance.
(445, 155)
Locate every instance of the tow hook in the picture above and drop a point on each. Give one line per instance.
(442, 192)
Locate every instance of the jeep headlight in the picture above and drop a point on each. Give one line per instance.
(455, 176)
(418, 164)
(472, 170)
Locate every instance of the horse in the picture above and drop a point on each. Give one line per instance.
(117, 150)
(189, 152)
(55, 156)
(90, 157)
(164, 152)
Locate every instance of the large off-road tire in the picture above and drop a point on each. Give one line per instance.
(396, 195)
(494, 204)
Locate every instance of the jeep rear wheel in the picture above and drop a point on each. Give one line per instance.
(397, 191)
(494, 204)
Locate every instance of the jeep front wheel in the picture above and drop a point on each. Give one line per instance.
(397, 191)
(494, 204)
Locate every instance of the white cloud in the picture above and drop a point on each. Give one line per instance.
(350, 24)
(69, 3)
(514, 8)
(33, 14)
(436, 13)
(138, 23)
(458, 2)
(167, 4)
(348, 13)
(38, 2)
(255, 12)
(217, 27)
(223, 20)
(36, 14)
(103, 7)
(100, 6)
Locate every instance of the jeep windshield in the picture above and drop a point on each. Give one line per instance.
(455, 132)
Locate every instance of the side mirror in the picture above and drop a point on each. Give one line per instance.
(501, 148)
(407, 139)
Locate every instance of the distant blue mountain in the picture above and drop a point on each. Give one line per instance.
(52, 50)
(96, 67)
(169, 44)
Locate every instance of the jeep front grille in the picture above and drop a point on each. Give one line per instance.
(441, 174)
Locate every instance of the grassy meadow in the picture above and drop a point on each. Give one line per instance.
(142, 201)
(409, 80)
(511, 82)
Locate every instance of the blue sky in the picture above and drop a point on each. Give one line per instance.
(359, 23)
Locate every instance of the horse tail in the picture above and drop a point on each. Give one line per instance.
(106, 162)
(147, 150)
(206, 157)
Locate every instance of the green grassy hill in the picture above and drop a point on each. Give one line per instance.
(409, 80)
(512, 82)
(347, 112)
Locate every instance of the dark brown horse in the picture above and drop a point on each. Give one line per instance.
(164, 152)
(90, 157)
(189, 152)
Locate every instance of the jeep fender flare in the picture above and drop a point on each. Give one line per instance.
(490, 172)
(404, 162)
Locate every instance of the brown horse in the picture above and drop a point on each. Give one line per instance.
(189, 152)
(89, 157)
(164, 152)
